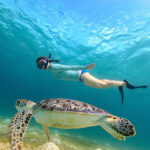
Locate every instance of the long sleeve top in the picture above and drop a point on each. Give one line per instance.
(66, 72)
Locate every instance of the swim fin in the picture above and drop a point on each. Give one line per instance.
(121, 92)
(129, 86)
(132, 87)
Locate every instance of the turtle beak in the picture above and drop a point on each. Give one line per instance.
(17, 107)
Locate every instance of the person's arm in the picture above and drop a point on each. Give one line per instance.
(59, 67)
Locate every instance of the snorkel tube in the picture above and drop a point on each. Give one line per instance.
(50, 60)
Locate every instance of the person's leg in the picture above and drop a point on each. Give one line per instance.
(91, 81)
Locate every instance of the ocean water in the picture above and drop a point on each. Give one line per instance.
(114, 34)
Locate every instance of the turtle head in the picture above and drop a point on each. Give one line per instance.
(22, 104)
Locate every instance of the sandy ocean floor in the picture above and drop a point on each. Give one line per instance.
(35, 139)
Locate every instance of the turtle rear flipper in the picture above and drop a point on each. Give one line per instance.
(46, 130)
(119, 128)
(17, 129)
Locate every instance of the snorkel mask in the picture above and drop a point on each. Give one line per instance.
(42, 62)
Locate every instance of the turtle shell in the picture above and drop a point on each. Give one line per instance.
(69, 105)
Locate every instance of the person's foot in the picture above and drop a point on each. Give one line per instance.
(132, 87)
(128, 85)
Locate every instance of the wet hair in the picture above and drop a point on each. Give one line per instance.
(42, 62)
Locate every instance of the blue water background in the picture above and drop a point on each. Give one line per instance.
(113, 34)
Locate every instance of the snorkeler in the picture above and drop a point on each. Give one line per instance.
(81, 73)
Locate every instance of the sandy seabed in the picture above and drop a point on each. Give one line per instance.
(35, 139)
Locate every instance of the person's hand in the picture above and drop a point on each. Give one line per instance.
(91, 66)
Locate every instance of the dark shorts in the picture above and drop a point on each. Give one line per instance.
(82, 72)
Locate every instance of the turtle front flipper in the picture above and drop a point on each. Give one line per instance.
(17, 129)
(119, 128)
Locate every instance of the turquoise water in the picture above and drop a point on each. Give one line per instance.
(113, 34)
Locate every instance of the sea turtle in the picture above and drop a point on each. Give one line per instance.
(65, 114)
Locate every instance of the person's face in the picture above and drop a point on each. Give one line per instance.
(48, 65)
(43, 67)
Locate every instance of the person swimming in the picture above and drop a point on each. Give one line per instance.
(81, 73)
